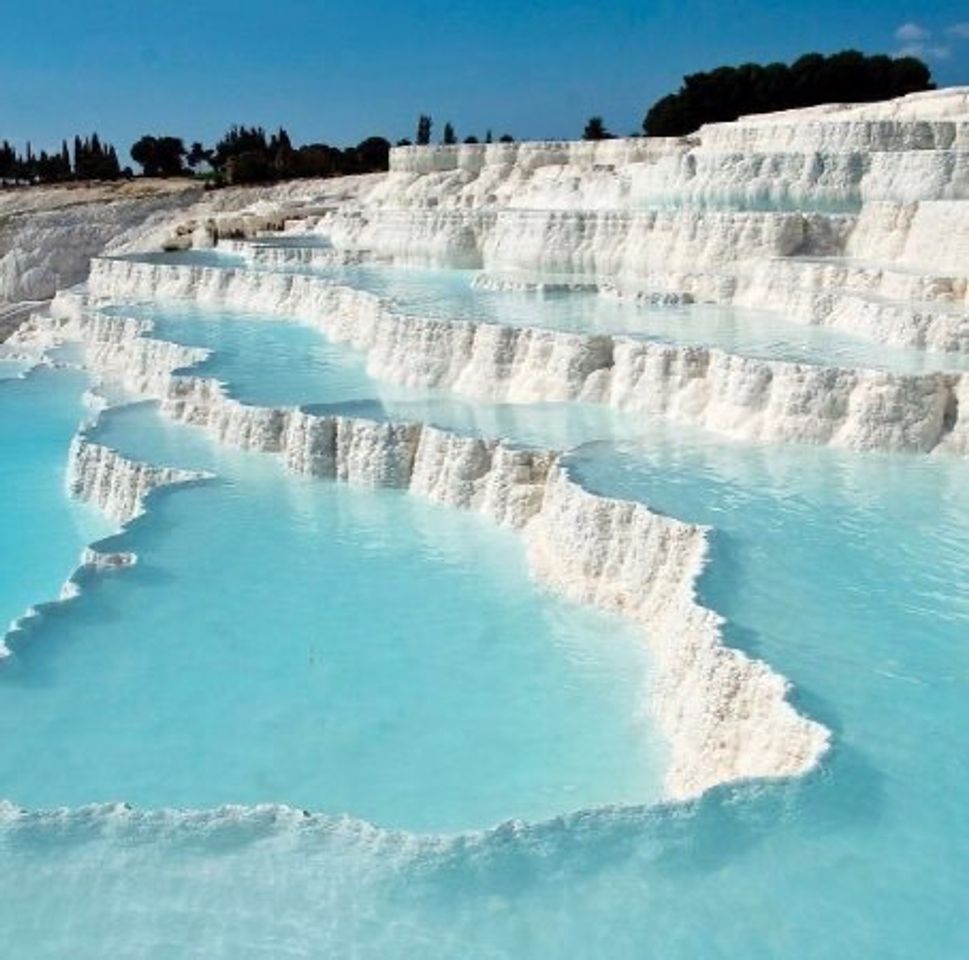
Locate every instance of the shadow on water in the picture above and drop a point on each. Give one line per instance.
(669, 843)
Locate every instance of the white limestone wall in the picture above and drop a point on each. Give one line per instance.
(738, 396)
(607, 243)
(116, 485)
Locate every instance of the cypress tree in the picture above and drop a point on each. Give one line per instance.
(424, 125)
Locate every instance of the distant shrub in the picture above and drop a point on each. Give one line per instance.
(595, 129)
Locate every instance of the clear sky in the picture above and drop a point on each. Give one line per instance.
(340, 70)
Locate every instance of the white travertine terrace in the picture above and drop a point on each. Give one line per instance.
(118, 487)
(725, 715)
(740, 396)
(853, 217)
(49, 234)
(736, 213)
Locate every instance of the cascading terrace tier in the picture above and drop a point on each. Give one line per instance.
(848, 217)
(725, 715)
(737, 213)
(739, 396)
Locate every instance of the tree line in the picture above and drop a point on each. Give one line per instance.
(242, 155)
(727, 93)
(248, 155)
(425, 125)
(91, 160)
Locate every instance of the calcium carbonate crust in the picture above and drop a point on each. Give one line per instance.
(725, 715)
(847, 216)
(767, 400)
(735, 213)
(904, 263)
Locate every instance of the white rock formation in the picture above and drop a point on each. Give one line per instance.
(726, 716)
(49, 234)
(116, 485)
(743, 397)
(848, 216)
(736, 213)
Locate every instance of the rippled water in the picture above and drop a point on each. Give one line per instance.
(848, 573)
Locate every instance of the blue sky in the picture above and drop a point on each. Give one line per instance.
(338, 70)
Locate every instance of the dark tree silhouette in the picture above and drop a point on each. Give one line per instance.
(248, 166)
(159, 156)
(730, 92)
(143, 151)
(373, 154)
(30, 167)
(94, 160)
(281, 152)
(595, 129)
(449, 135)
(424, 125)
(246, 155)
(237, 141)
(242, 155)
(8, 162)
(197, 155)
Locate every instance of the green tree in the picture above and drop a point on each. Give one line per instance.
(281, 152)
(238, 140)
(595, 129)
(373, 155)
(248, 166)
(424, 125)
(727, 93)
(197, 155)
(449, 135)
(159, 156)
